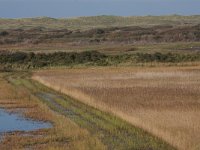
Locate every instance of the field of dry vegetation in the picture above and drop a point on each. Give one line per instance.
(164, 101)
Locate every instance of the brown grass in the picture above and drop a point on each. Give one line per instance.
(64, 134)
(165, 101)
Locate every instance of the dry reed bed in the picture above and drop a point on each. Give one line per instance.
(164, 101)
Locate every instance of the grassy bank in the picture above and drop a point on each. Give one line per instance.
(65, 134)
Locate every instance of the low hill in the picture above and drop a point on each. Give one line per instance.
(97, 22)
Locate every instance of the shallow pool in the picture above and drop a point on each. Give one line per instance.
(10, 122)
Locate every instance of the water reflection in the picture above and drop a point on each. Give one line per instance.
(15, 122)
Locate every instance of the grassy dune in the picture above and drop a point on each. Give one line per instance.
(97, 21)
(164, 100)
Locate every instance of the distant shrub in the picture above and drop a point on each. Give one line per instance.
(100, 31)
(169, 57)
(4, 33)
(50, 59)
(39, 60)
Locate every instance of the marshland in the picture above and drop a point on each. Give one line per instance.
(133, 83)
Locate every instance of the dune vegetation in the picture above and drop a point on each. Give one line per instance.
(97, 21)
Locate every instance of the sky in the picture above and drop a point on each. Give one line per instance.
(75, 8)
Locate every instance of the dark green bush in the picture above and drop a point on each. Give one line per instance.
(169, 57)
(39, 60)
(50, 59)
(4, 33)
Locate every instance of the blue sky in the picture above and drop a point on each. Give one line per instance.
(74, 8)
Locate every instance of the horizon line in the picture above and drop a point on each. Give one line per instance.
(74, 17)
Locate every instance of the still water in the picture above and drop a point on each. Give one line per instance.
(14, 122)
